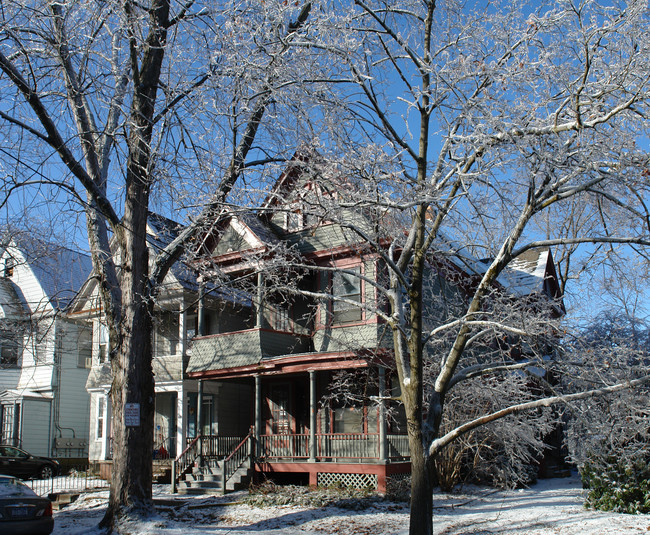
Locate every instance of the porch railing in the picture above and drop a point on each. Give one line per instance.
(398, 447)
(203, 448)
(186, 459)
(350, 447)
(284, 446)
(347, 446)
(217, 446)
(237, 459)
(344, 446)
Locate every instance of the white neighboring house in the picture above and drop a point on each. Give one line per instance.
(44, 356)
(175, 325)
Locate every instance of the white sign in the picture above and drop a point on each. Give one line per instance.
(132, 414)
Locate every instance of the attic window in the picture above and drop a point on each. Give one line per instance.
(294, 221)
(9, 266)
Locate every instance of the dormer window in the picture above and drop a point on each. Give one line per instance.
(295, 221)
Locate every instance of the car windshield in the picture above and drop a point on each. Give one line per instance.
(10, 486)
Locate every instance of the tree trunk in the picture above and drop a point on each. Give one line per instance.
(133, 381)
(421, 520)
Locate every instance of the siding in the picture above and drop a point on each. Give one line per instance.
(242, 349)
(36, 427)
(72, 404)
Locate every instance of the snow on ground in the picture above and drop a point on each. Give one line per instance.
(552, 506)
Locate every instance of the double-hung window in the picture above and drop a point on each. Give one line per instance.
(346, 289)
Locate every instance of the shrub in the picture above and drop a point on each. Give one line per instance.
(269, 494)
(617, 485)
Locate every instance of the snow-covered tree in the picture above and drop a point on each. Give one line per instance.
(484, 130)
(113, 108)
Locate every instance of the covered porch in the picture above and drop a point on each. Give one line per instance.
(292, 430)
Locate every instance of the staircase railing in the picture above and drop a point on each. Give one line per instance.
(236, 459)
(186, 459)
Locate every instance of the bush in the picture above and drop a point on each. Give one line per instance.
(616, 485)
(269, 494)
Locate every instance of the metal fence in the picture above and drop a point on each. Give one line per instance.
(80, 479)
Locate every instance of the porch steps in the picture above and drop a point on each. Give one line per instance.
(162, 471)
(207, 479)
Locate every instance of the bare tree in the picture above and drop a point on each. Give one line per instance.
(124, 106)
(501, 128)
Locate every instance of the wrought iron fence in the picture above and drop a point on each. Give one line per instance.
(79, 479)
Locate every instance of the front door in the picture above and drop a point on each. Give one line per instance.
(279, 410)
(279, 423)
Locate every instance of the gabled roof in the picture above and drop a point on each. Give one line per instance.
(161, 231)
(527, 273)
(60, 271)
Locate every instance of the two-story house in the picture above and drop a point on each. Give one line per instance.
(44, 356)
(314, 317)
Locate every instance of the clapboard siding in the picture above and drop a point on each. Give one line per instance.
(72, 407)
(36, 426)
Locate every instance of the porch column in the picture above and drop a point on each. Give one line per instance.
(200, 313)
(199, 418)
(259, 321)
(258, 414)
(383, 439)
(312, 416)
(199, 410)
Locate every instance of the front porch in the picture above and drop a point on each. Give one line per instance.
(354, 459)
(296, 431)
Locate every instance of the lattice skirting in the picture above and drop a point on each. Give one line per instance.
(355, 481)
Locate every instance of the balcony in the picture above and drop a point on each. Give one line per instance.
(243, 348)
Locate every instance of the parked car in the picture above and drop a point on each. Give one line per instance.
(22, 511)
(19, 463)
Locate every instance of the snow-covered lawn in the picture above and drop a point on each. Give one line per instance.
(552, 506)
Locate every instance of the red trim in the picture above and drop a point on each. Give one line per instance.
(296, 364)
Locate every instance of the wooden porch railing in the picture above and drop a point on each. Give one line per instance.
(351, 447)
(284, 446)
(347, 446)
(187, 458)
(398, 448)
(200, 449)
(236, 459)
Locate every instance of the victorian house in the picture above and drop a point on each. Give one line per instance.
(314, 325)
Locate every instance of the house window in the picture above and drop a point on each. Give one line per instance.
(348, 420)
(9, 349)
(166, 338)
(9, 266)
(101, 415)
(9, 419)
(103, 338)
(85, 347)
(206, 414)
(346, 285)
